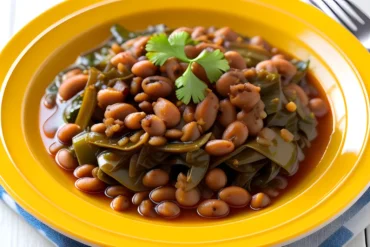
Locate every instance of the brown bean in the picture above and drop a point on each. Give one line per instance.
(139, 197)
(146, 208)
(190, 132)
(138, 47)
(299, 92)
(146, 107)
(108, 97)
(168, 210)
(71, 73)
(227, 113)
(133, 120)
(187, 198)
(71, 86)
(219, 147)
(216, 179)
(235, 196)
(267, 65)
(83, 171)
(50, 100)
(135, 85)
(235, 60)
(120, 203)
(199, 72)
(157, 86)
(227, 33)
(172, 68)
(258, 41)
(318, 107)
(213, 208)
(191, 51)
(66, 160)
(140, 97)
(167, 111)
(94, 172)
(183, 29)
(253, 122)
(55, 147)
(99, 128)
(260, 200)
(165, 193)
(173, 134)
(245, 96)
(90, 185)
(116, 190)
(116, 48)
(228, 79)
(67, 132)
(206, 111)
(125, 58)
(155, 178)
(209, 46)
(188, 114)
(237, 132)
(285, 68)
(144, 69)
(153, 125)
(198, 31)
(119, 111)
(157, 141)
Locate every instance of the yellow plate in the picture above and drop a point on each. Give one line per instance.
(53, 40)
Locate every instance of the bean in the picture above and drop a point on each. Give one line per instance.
(183, 29)
(187, 198)
(188, 114)
(50, 101)
(142, 58)
(267, 65)
(136, 137)
(173, 134)
(157, 86)
(219, 147)
(244, 96)
(318, 107)
(125, 58)
(146, 107)
(198, 31)
(271, 192)
(138, 47)
(120, 203)
(237, 132)
(108, 97)
(116, 190)
(71, 86)
(94, 172)
(139, 197)
(285, 68)
(206, 111)
(173, 68)
(228, 79)
(55, 147)
(257, 40)
(66, 160)
(253, 122)
(167, 111)
(213, 208)
(199, 72)
(260, 200)
(153, 125)
(133, 120)
(211, 47)
(119, 111)
(235, 60)
(216, 179)
(165, 193)
(235, 196)
(278, 56)
(116, 48)
(155, 178)
(168, 210)
(144, 69)
(90, 185)
(140, 97)
(191, 51)
(123, 141)
(191, 132)
(71, 73)
(157, 141)
(146, 208)
(299, 92)
(135, 85)
(286, 135)
(227, 33)
(83, 171)
(227, 113)
(99, 128)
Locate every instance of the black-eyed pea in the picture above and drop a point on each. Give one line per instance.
(153, 125)
(90, 185)
(164, 193)
(168, 210)
(66, 160)
(144, 69)
(116, 190)
(235, 196)
(99, 128)
(206, 111)
(237, 132)
(157, 86)
(139, 197)
(157, 141)
(67, 132)
(244, 96)
(167, 111)
(173, 68)
(83, 171)
(226, 80)
(216, 179)
(119, 111)
(146, 209)
(187, 198)
(120, 203)
(190, 132)
(260, 200)
(213, 208)
(219, 147)
(235, 60)
(133, 120)
(227, 113)
(318, 107)
(71, 86)
(173, 134)
(155, 178)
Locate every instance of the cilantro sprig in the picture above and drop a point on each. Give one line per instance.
(189, 87)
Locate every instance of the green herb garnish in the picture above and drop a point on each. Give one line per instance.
(189, 87)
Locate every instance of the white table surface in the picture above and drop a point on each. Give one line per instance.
(14, 231)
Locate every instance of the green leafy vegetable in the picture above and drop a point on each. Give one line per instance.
(84, 151)
(302, 68)
(198, 161)
(73, 107)
(184, 147)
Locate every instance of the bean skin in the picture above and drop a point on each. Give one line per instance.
(267, 65)
(138, 47)
(125, 58)
(188, 114)
(285, 68)
(198, 31)
(253, 122)
(71, 86)
(165, 193)
(172, 68)
(227, 33)
(119, 111)
(237, 132)
(120, 203)
(187, 198)
(135, 85)
(260, 200)
(66, 160)
(83, 171)
(146, 107)
(108, 97)
(153, 125)
(55, 147)
(235, 60)
(133, 120)
(173, 134)
(227, 113)
(206, 111)
(116, 190)
(300, 93)
(168, 210)
(228, 79)
(167, 111)
(157, 86)
(191, 132)
(235, 196)
(155, 178)
(90, 185)
(244, 96)
(146, 209)
(191, 51)
(139, 197)
(318, 107)
(99, 128)
(213, 208)
(199, 72)
(144, 69)
(219, 147)
(216, 179)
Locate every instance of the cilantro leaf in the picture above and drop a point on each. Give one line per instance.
(190, 87)
(214, 63)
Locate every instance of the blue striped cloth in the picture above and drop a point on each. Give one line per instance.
(337, 233)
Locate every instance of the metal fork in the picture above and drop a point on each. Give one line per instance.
(361, 30)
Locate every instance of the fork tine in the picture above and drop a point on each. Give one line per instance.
(337, 16)
(353, 19)
(359, 12)
(314, 4)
